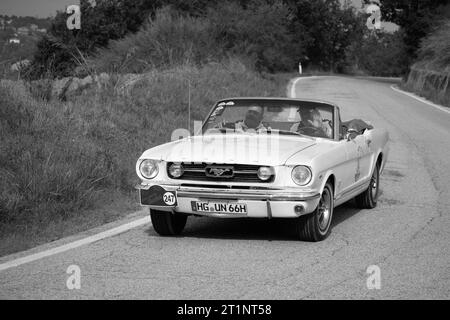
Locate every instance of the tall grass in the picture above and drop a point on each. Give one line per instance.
(59, 158)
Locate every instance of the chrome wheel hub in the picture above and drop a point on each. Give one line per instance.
(324, 210)
(374, 186)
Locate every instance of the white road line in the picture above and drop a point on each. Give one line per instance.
(423, 100)
(292, 90)
(75, 244)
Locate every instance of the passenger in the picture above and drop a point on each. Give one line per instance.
(252, 121)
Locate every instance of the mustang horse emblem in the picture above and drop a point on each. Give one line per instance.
(219, 172)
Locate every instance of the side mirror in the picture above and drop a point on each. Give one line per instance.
(351, 134)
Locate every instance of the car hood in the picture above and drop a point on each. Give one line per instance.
(261, 149)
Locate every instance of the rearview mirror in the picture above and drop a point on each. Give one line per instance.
(218, 111)
(274, 109)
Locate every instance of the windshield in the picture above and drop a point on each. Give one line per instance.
(313, 119)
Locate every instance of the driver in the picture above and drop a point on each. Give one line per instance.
(252, 121)
(311, 119)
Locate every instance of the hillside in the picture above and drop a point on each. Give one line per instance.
(430, 75)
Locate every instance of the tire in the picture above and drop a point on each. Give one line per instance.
(167, 223)
(316, 226)
(368, 199)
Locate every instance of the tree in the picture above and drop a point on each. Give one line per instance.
(379, 54)
(435, 48)
(107, 20)
(415, 17)
(50, 59)
(259, 30)
(327, 28)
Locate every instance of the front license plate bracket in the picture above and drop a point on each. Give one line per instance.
(219, 207)
(158, 196)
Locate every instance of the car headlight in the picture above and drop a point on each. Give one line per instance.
(265, 173)
(176, 170)
(149, 168)
(301, 175)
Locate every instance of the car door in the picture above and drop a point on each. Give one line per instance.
(345, 169)
(356, 170)
(353, 172)
(366, 155)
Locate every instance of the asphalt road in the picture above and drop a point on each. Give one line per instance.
(407, 236)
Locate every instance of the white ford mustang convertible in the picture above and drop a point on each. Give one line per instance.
(264, 158)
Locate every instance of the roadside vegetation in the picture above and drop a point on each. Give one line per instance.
(425, 34)
(268, 35)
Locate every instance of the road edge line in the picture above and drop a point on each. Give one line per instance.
(75, 244)
(293, 82)
(418, 98)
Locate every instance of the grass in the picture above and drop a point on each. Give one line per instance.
(69, 166)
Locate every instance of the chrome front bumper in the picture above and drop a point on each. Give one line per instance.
(261, 203)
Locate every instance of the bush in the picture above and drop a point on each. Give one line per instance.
(326, 29)
(51, 59)
(168, 40)
(258, 34)
(259, 31)
(379, 54)
(435, 48)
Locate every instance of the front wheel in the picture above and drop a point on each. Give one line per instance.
(167, 223)
(316, 226)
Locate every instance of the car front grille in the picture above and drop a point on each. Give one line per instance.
(240, 172)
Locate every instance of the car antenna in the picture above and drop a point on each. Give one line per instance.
(189, 105)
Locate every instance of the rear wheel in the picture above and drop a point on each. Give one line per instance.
(368, 199)
(167, 223)
(316, 226)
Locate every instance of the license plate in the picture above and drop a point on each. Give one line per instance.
(219, 207)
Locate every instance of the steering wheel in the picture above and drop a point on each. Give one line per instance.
(311, 131)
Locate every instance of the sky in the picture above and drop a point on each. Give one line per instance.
(34, 8)
(46, 8)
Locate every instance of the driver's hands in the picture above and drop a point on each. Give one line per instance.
(311, 123)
